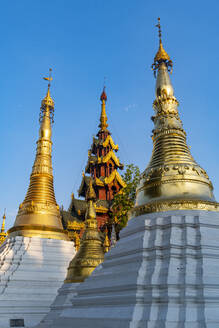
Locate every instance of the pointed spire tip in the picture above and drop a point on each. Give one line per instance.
(103, 94)
(161, 55)
(47, 103)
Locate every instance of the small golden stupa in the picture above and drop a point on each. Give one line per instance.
(106, 243)
(3, 234)
(39, 213)
(91, 252)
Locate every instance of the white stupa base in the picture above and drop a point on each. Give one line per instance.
(31, 272)
(163, 273)
(61, 302)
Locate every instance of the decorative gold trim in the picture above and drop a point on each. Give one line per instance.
(174, 205)
(99, 182)
(38, 231)
(101, 209)
(75, 225)
(35, 227)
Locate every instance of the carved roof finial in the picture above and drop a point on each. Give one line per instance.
(103, 118)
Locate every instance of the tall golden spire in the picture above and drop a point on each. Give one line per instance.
(172, 180)
(3, 234)
(91, 252)
(39, 214)
(103, 118)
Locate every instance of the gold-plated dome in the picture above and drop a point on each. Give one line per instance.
(172, 179)
(90, 253)
(39, 214)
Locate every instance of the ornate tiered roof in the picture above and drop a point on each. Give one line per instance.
(102, 171)
(103, 163)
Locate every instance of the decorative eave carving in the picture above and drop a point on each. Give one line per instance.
(108, 180)
(115, 176)
(109, 140)
(110, 155)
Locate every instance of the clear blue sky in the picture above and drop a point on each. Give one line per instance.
(83, 41)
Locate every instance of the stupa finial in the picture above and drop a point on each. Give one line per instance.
(49, 78)
(159, 30)
(161, 56)
(47, 105)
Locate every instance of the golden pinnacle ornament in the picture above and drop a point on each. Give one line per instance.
(172, 180)
(103, 118)
(3, 234)
(90, 253)
(39, 214)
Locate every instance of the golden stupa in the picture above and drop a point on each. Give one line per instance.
(3, 233)
(91, 252)
(39, 214)
(172, 180)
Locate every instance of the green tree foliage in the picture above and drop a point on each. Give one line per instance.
(125, 200)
